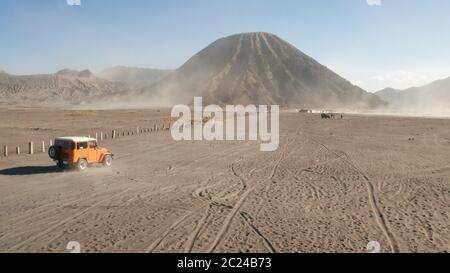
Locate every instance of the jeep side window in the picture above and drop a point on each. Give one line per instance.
(65, 145)
(93, 144)
(82, 146)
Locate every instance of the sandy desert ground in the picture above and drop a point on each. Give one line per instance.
(332, 186)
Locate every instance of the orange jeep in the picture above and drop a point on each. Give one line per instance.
(79, 152)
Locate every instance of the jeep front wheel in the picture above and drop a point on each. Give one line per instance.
(107, 161)
(82, 165)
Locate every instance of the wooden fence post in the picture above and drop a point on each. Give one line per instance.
(5, 150)
(31, 148)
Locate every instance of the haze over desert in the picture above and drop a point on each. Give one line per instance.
(332, 186)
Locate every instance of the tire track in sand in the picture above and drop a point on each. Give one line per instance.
(226, 224)
(160, 238)
(379, 215)
(266, 241)
(64, 221)
(194, 235)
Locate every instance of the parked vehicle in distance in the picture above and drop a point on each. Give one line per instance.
(79, 152)
(327, 116)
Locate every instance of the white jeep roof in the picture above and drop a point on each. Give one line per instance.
(76, 139)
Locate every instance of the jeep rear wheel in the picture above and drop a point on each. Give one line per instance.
(60, 164)
(107, 161)
(82, 165)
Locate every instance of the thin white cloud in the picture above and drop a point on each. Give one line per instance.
(375, 79)
(73, 2)
(373, 2)
(400, 79)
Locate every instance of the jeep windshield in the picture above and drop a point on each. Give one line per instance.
(65, 144)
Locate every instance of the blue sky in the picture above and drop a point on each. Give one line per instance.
(398, 43)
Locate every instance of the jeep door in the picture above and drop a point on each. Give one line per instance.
(93, 156)
(82, 151)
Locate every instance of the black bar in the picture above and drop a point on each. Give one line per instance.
(220, 262)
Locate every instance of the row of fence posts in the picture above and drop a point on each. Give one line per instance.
(30, 148)
(100, 137)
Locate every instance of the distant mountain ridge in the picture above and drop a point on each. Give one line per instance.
(133, 76)
(64, 87)
(248, 68)
(433, 96)
(74, 73)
